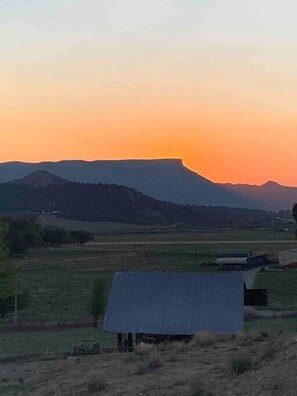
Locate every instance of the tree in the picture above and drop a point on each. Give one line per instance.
(10, 295)
(97, 301)
(3, 234)
(294, 212)
(22, 233)
(81, 237)
(56, 236)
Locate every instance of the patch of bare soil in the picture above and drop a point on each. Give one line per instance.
(248, 364)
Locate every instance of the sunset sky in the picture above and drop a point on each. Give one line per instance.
(213, 82)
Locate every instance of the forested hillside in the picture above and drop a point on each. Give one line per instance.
(109, 202)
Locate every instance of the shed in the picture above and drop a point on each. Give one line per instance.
(242, 260)
(288, 259)
(166, 303)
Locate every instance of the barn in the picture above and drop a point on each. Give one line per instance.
(168, 304)
(288, 259)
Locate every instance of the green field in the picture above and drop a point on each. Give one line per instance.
(48, 343)
(119, 232)
(56, 342)
(282, 288)
(273, 326)
(60, 280)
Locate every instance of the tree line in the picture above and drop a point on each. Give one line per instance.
(16, 236)
(102, 202)
(24, 232)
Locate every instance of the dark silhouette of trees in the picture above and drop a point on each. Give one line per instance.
(98, 299)
(81, 237)
(110, 202)
(22, 233)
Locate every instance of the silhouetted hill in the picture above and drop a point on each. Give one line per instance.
(269, 196)
(43, 192)
(40, 179)
(165, 179)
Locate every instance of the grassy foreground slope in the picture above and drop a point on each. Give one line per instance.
(245, 365)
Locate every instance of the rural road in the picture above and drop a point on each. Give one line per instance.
(190, 242)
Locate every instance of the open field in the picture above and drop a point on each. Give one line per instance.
(51, 342)
(273, 326)
(103, 227)
(200, 235)
(248, 364)
(281, 286)
(119, 232)
(47, 343)
(60, 282)
(60, 279)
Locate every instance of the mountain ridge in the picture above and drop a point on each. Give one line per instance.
(163, 179)
(114, 203)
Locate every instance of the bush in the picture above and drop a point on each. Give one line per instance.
(141, 370)
(97, 302)
(240, 365)
(203, 339)
(197, 388)
(96, 386)
(250, 336)
(154, 362)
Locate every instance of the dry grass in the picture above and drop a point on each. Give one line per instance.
(155, 360)
(241, 364)
(197, 371)
(251, 336)
(197, 388)
(203, 339)
(96, 386)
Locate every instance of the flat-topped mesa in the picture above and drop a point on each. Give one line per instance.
(39, 179)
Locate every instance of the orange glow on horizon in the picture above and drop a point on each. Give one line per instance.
(152, 79)
(206, 139)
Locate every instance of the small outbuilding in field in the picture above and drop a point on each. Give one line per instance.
(288, 259)
(242, 260)
(163, 305)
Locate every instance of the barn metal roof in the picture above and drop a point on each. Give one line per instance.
(175, 303)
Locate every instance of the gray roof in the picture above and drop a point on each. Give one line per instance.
(175, 303)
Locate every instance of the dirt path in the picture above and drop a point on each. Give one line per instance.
(190, 242)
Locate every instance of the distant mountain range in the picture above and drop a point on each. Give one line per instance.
(164, 179)
(45, 192)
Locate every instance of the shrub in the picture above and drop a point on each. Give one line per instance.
(240, 365)
(141, 370)
(250, 336)
(197, 389)
(154, 362)
(173, 355)
(269, 352)
(203, 339)
(97, 301)
(96, 386)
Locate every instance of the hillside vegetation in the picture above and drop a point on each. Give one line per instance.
(44, 192)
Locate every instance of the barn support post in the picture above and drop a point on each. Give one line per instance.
(130, 342)
(120, 342)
